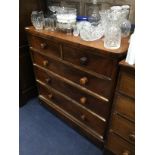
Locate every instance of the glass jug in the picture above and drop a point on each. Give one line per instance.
(112, 39)
(37, 19)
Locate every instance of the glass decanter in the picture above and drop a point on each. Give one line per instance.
(125, 28)
(125, 24)
(93, 13)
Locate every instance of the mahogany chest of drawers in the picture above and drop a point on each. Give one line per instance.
(76, 79)
(121, 136)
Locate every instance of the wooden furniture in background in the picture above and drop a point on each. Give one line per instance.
(76, 79)
(121, 136)
(27, 86)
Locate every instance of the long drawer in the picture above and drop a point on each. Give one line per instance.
(97, 85)
(76, 111)
(125, 106)
(100, 107)
(45, 46)
(123, 127)
(119, 146)
(89, 60)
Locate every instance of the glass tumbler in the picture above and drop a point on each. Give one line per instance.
(49, 24)
(76, 31)
(37, 19)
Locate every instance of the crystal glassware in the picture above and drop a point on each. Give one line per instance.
(88, 32)
(76, 31)
(112, 39)
(66, 18)
(93, 14)
(125, 28)
(53, 10)
(104, 18)
(49, 24)
(125, 10)
(125, 24)
(69, 31)
(37, 19)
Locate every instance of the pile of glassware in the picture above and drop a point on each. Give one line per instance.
(116, 24)
(111, 24)
(40, 22)
(65, 17)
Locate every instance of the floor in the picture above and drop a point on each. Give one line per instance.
(42, 133)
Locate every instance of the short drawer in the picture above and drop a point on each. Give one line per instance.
(76, 111)
(123, 127)
(88, 60)
(96, 105)
(51, 48)
(119, 146)
(124, 106)
(126, 83)
(97, 85)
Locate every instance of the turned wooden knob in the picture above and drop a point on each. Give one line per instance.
(48, 80)
(50, 96)
(83, 80)
(83, 60)
(83, 100)
(83, 117)
(43, 45)
(45, 63)
(126, 153)
(132, 137)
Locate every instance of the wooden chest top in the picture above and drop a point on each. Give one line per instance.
(98, 45)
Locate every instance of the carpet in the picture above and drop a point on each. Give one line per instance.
(42, 133)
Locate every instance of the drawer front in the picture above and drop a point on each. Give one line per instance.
(97, 85)
(82, 115)
(123, 127)
(125, 106)
(89, 60)
(126, 84)
(99, 107)
(44, 45)
(119, 146)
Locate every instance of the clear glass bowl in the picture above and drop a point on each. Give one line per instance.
(88, 32)
(66, 18)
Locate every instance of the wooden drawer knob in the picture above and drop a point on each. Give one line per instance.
(83, 61)
(126, 153)
(132, 137)
(50, 96)
(48, 80)
(83, 80)
(83, 117)
(43, 45)
(83, 100)
(45, 63)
